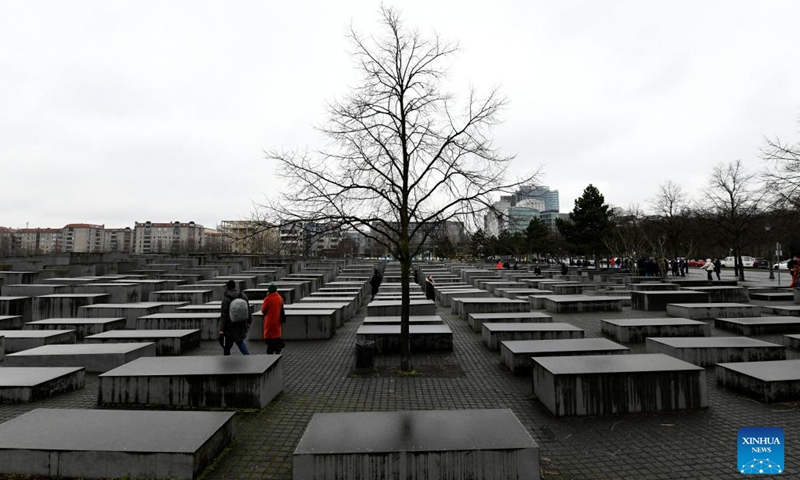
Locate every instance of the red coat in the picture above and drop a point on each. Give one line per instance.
(271, 308)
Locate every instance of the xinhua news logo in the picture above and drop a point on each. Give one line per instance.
(761, 450)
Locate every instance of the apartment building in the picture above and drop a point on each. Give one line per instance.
(152, 237)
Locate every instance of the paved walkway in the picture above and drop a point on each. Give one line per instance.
(318, 377)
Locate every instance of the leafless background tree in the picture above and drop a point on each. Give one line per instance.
(782, 175)
(405, 156)
(732, 202)
(671, 208)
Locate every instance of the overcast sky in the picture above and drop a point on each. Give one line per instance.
(123, 111)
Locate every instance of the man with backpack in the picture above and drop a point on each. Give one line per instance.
(235, 319)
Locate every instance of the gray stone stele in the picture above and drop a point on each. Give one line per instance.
(442, 444)
(113, 443)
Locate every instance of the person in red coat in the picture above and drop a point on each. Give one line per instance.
(271, 308)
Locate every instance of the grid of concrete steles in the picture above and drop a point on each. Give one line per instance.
(319, 376)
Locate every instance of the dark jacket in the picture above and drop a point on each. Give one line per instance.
(376, 283)
(236, 331)
(430, 293)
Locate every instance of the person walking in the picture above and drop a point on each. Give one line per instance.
(709, 268)
(273, 330)
(375, 281)
(717, 268)
(430, 293)
(794, 270)
(233, 325)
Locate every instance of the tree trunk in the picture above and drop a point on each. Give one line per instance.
(405, 337)
(741, 265)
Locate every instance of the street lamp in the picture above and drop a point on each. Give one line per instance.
(767, 228)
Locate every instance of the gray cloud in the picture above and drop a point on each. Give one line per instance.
(125, 111)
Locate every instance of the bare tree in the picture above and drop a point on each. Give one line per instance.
(405, 156)
(782, 175)
(732, 202)
(628, 238)
(671, 207)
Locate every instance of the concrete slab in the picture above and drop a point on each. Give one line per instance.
(129, 311)
(301, 288)
(168, 342)
(792, 341)
(784, 310)
(149, 286)
(93, 357)
(706, 351)
(17, 306)
(519, 292)
(447, 445)
(656, 301)
(772, 296)
(412, 320)
(759, 325)
(727, 294)
(236, 381)
(28, 384)
(768, 382)
(19, 340)
(70, 280)
(654, 287)
(494, 333)
(83, 327)
(312, 324)
(64, 305)
(582, 303)
(423, 338)
(207, 323)
(340, 309)
(707, 311)
(118, 292)
(357, 294)
(113, 443)
(10, 322)
(464, 306)
(516, 354)
(476, 320)
(492, 285)
(636, 330)
(350, 302)
(34, 290)
(614, 384)
(445, 296)
(194, 297)
(573, 288)
(392, 308)
(217, 290)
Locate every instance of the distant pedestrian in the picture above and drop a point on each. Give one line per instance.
(272, 309)
(430, 293)
(235, 319)
(662, 267)
(717, 268)
(794, 270)
(375, 281)
(709, 268)
(506, 265)
(564, 269)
